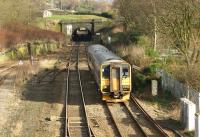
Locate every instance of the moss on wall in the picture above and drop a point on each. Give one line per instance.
(37, 48)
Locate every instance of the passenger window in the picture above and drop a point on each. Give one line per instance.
(106, 72)
(125, 73)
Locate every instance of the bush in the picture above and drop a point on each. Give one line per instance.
(151, 52)
(136, 56)
(139, 81)
(134, 36)
(106, 15)
(144, 41)
(190, 76)
(120, 38)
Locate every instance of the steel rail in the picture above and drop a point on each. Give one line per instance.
(12, 66)
(67, 134)
(113, 120)
(154, 123)
(92, 133)
(176, 132)
(68, 66)
(82, 95)
(6, 72)
(133, 118)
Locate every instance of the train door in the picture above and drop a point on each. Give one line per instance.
(115, 81)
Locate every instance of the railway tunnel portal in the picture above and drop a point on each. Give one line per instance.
(79, 31)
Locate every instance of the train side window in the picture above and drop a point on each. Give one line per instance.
(106, 72)
(125, 72)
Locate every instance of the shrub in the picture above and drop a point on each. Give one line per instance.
(106, 15)
(120, 38)
(136, 56)
(144, 41)
(134, 36)
(190, 76)
(139, 80)
(151, 52)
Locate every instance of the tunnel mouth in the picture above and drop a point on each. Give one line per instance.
(81, 34)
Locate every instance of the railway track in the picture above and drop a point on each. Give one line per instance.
(150, 126)
(4, 73)
(101, 123)
(120, 126)
(76, 124)
(128, 119)
(124, 120)
(131, 120)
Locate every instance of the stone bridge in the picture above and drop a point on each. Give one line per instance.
(67, 27)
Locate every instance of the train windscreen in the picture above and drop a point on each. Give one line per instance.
(125, 73)
(106, 72)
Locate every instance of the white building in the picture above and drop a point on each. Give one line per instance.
(47, 13)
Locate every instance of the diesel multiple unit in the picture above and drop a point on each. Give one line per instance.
(112, 74)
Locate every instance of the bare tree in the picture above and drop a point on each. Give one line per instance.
(180, 22)
(140, 15)
(70, 4)
(18, 10)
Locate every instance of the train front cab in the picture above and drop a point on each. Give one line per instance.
(116, 82)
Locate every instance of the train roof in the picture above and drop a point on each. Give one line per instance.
(102, 54)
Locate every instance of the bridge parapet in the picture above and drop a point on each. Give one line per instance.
(69, 26)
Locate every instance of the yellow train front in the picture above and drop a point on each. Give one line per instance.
(112, 74)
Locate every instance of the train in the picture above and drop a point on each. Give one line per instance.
(112, 74)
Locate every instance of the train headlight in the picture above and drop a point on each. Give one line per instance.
(105, 87)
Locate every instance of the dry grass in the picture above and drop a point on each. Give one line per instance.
(190, 76)
(134, 54)
(14, 33)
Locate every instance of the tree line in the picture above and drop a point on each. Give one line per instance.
(19, 10)
(170, 23)
(86, 5)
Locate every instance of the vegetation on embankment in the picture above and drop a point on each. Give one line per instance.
(52, 23)
(77, 18)
(15, 33)
(20, 51)
(15, 37)
(172, 28)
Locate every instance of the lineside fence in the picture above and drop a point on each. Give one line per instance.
(178, 89)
